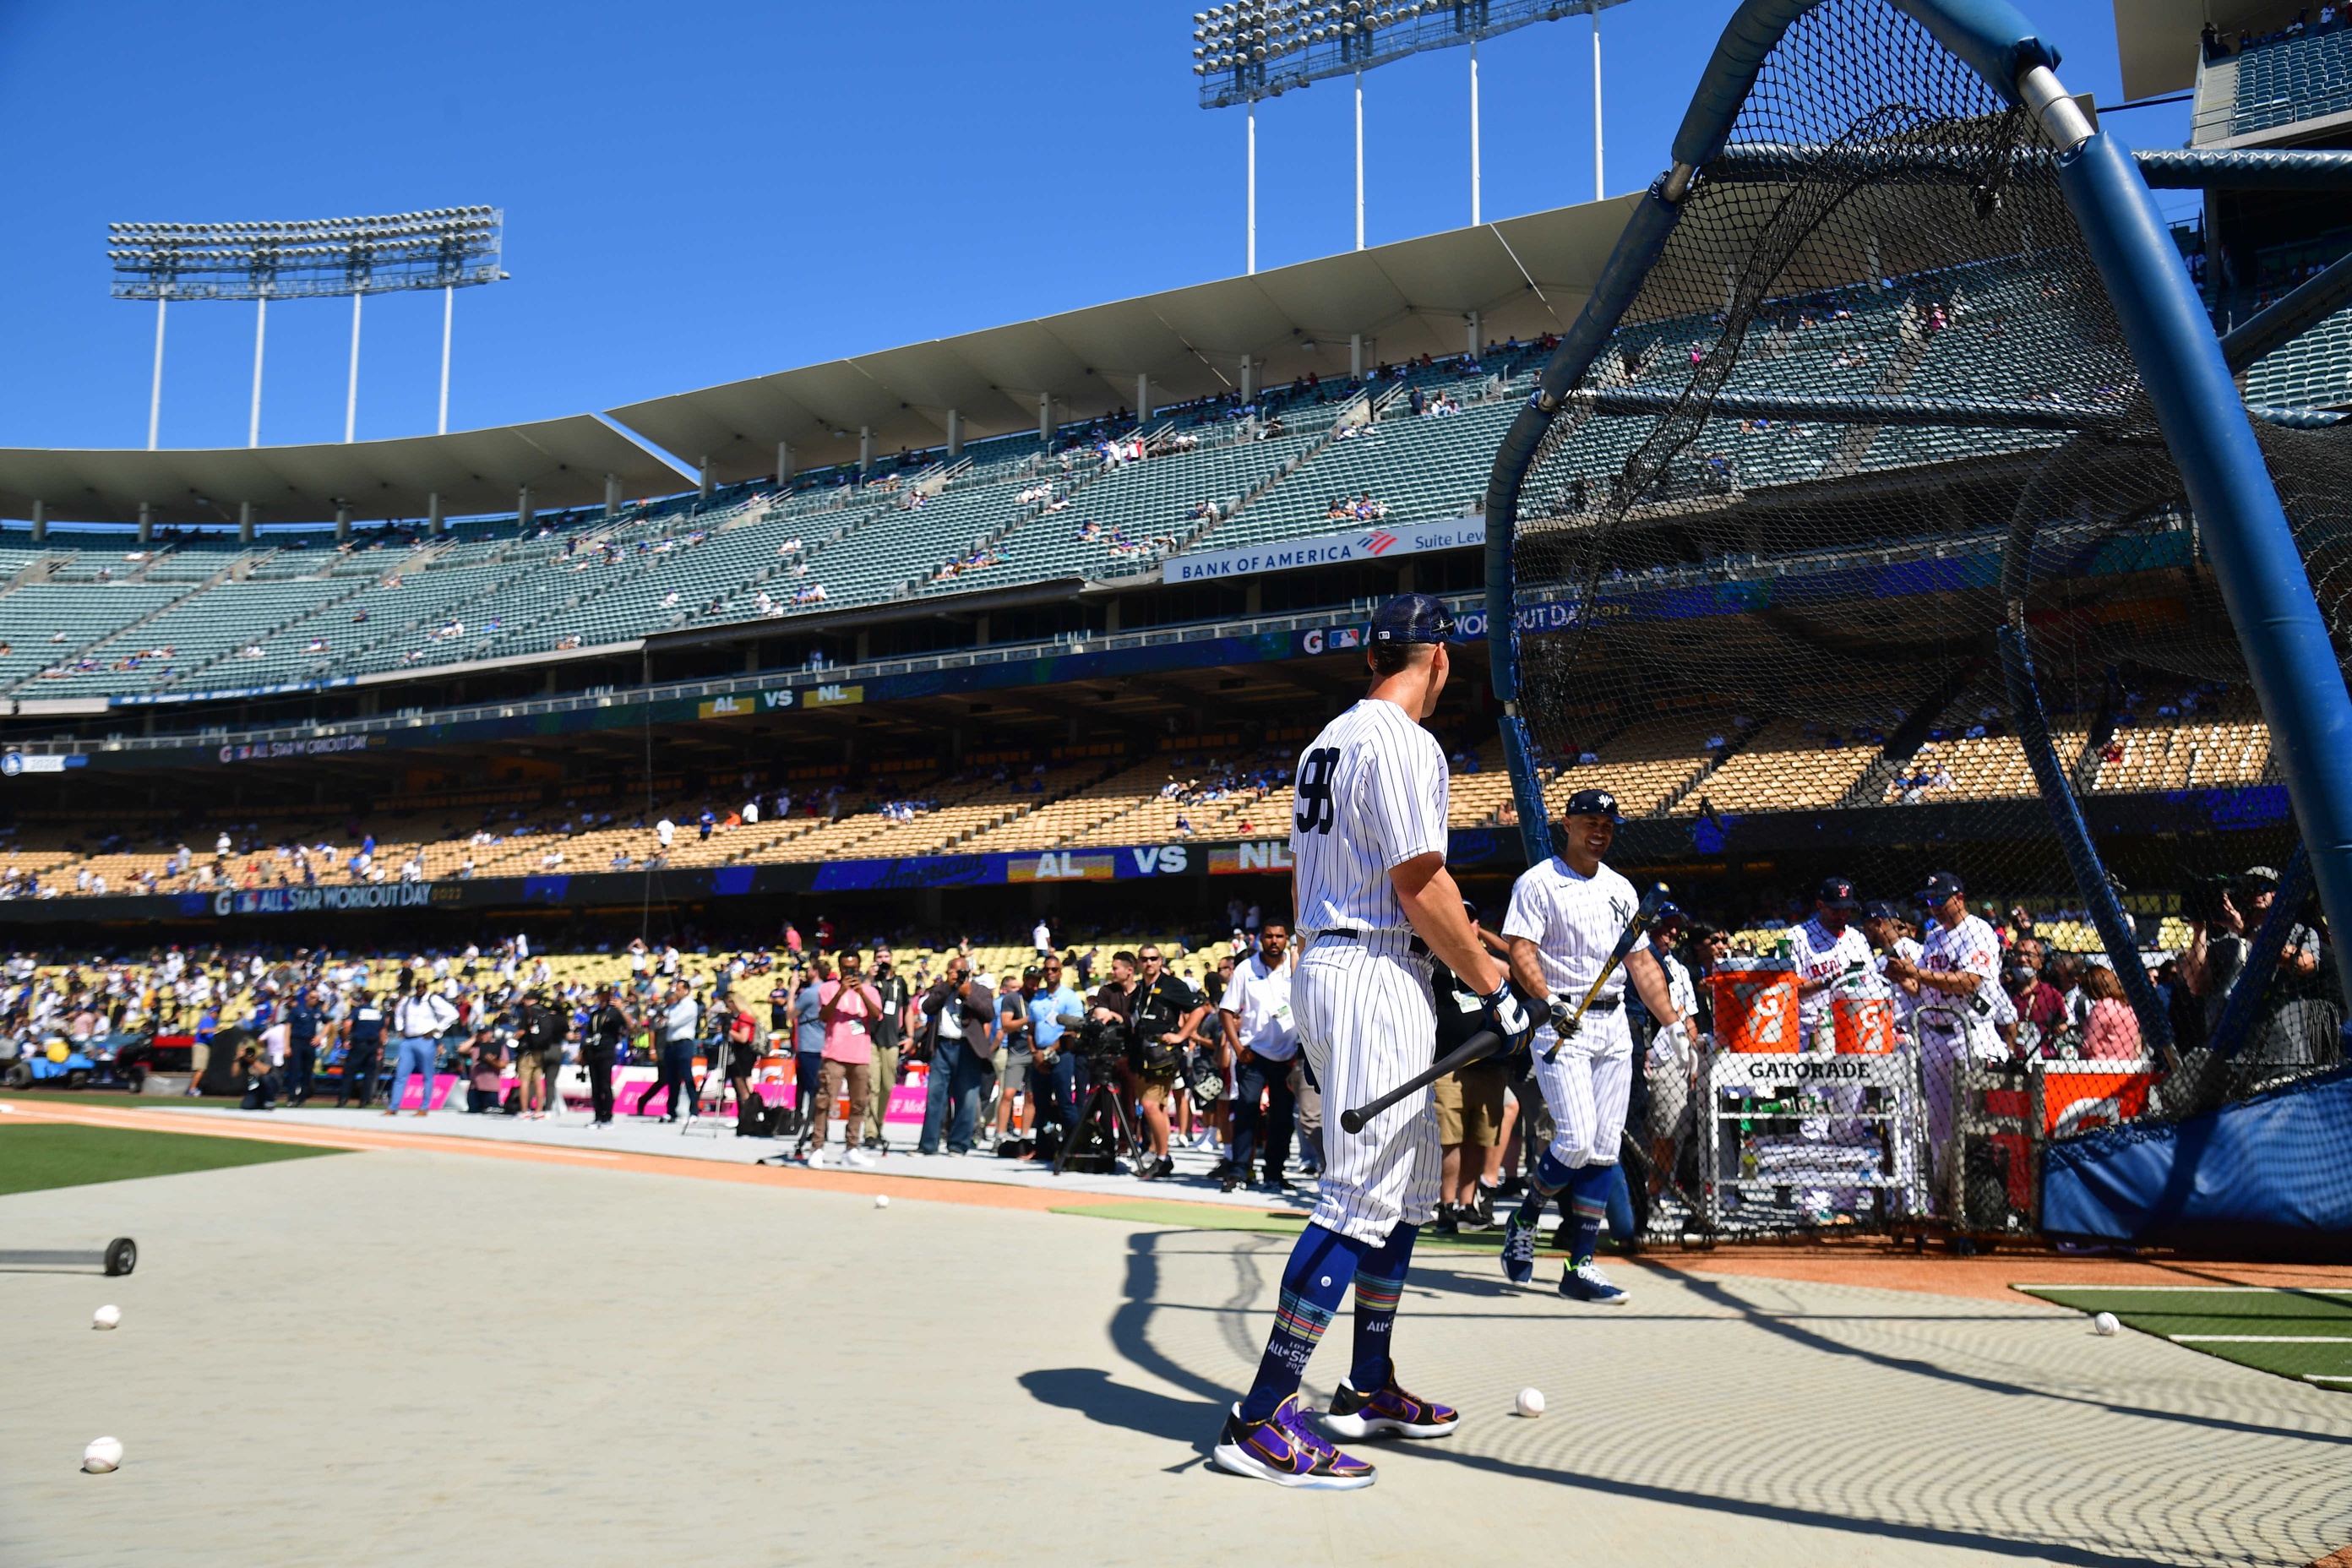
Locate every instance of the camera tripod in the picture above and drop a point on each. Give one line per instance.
(1086, 1132)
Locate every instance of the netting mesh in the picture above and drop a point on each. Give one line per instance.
(1870, 407)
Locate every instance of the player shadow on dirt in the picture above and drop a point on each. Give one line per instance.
(1090, 1392)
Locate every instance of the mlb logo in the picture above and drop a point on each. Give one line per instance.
(1346, 637)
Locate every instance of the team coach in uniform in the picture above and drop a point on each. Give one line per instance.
(1373, 903)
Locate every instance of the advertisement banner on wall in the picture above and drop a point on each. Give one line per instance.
(1376, 543)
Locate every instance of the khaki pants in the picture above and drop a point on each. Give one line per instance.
(885, 1073)
(529, 1078)
(1310, 1107)
(860, 1077)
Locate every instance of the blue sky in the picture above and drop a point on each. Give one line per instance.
(696, 193)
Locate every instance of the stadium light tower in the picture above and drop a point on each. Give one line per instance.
(1248, 49)
(447, 249)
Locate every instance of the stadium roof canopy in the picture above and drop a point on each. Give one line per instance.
(2158, 39)
(1523, 277)
(563, 462)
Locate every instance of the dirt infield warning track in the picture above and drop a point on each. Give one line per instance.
(1866, 1263)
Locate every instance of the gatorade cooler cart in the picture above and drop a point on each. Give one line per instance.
(1796, 1140)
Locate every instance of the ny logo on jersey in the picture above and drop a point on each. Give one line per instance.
(1623, 911)
(1315, 813)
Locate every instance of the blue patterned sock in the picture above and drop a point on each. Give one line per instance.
(1380, 1280)
(1620, 1206)
(1313, 1282)
(1550, 1177)
(1588, 1206)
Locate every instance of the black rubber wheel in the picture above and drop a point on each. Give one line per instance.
(79, 1077)
(18, 1076)
(121, 1256)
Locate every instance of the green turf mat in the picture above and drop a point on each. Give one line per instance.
(33, 1158)
(2302, 1334)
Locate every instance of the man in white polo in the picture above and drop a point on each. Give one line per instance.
(1261, 1041)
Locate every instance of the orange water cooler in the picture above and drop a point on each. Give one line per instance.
(1755, 1006)
(1862, 1026)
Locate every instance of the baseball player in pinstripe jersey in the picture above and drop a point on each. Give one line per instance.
(1374, 901)
(1566, 916)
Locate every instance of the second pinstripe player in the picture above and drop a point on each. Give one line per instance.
(1374, 901)
(1566, 916)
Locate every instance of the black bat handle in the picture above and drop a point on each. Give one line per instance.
(1477, 1048)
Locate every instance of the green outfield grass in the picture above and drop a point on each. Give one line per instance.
(2302, 1334)
(38, 1157)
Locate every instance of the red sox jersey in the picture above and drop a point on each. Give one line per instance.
(1970, 947)
(1371, 795)
(1821, 956)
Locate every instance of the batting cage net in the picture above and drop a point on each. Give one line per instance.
(1855, 554)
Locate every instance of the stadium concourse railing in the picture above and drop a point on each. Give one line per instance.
(728, 686)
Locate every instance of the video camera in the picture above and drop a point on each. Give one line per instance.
(1103, 1044)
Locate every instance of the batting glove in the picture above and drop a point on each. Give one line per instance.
(1508, 1015)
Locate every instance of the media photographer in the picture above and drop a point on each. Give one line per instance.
(955, 1022)
(539, 1031)
(1160, 1012)
(887, 1029)
(2297, 1023)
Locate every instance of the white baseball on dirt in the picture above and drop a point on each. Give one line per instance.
(2105, 1324)
(102, 1455)
(881, 1199)
(106, 1317)
(1530, 1402)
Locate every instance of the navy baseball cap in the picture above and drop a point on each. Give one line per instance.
(1592, 802)
(1881, 910)
(1941, 886)
(1837, 893)
(1414, 617)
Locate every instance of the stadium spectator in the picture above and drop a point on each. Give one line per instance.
(1260, 1046)
(602, 1040)
(808, 1044)
(363, 1046)
(419, 1021)
(680, 1018)
(2113, 1033)
(1053, 1071)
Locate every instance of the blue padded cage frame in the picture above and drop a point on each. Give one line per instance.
(2260, 574)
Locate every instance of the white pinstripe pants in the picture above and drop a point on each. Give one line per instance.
(1586, 1089)
(1367, 1022)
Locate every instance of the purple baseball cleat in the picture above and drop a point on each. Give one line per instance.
(1388, 1409)
(1286, 1449)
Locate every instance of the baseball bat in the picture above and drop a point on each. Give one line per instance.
(1643, 915)
(1477, 1048)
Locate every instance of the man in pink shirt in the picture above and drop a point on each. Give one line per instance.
(845, 1005)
